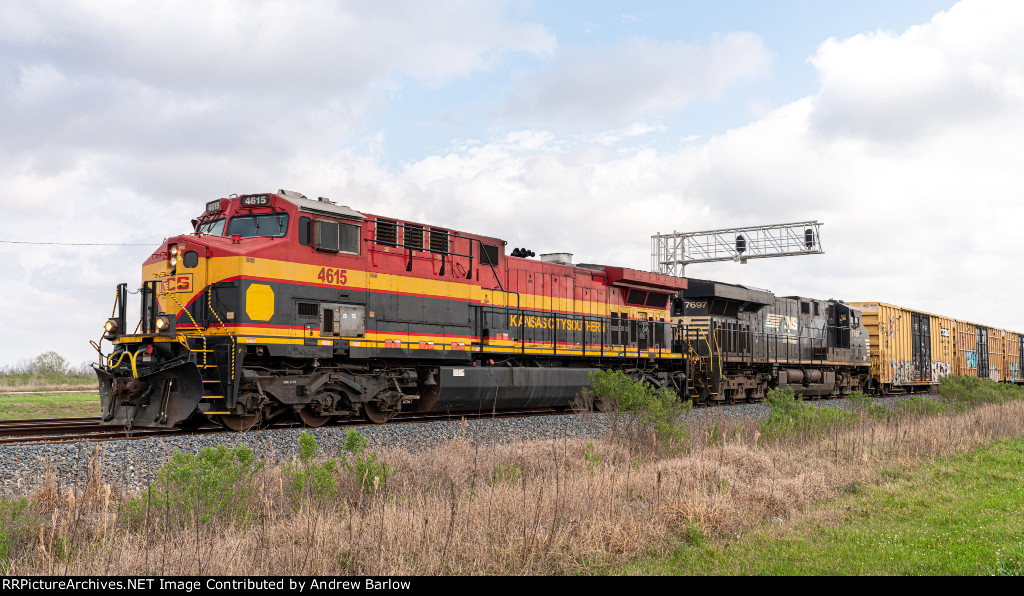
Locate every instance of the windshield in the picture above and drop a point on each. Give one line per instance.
(211, 228)
(270, 224)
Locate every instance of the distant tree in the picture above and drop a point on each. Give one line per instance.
(49, 363)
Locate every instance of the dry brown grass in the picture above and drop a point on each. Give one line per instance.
(43, 386)
(447, 511)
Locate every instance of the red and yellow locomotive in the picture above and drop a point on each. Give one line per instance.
(278, 304)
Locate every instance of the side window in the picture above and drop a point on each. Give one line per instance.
(489, 255)
(325, 235)
(333, 236)
(349, 239)
(305, 231)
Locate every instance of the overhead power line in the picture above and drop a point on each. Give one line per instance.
(80, 243)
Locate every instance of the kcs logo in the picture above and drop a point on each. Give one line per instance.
(176, 283)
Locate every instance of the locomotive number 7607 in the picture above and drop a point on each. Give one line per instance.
(333, 276)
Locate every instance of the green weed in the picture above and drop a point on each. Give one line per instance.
(963, 392)
(917, 405)
(18, 525)
(592, 458)
(790, 417)
(507, 473)
(317, 482)
(658, 409)
(370, 473)
(215, 484)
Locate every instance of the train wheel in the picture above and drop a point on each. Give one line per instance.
(374, 414)
(312, 419)
(239, 423)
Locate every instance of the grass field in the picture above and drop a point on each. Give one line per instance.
(911, 492)
(44, 404)
(960, 515)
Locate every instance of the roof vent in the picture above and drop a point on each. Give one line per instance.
(290, 193)
(559, 258)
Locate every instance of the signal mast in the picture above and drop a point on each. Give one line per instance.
(671, 253)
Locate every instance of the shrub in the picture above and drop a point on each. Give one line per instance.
(660, 410)
(963, 392)
(317, 482)
(917, 405)
(790, 417)
(368, 472)
(215, 484)
(862, 405)
(18, 526)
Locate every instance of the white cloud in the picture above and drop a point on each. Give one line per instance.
(620, 83)
(258, 80)
(961, 68)
(917, 182)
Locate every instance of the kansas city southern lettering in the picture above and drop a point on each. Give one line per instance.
(555, 323)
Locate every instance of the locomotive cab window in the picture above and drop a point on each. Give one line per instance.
(272, 225)
(211, 228)
(636, 297)
(656, 300)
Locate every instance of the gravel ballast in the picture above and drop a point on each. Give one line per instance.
(133, 464)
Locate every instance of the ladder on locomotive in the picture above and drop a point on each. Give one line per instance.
(702, 362)
(213, 357)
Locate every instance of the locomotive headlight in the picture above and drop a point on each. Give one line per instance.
(174, 250)
(162, 323)
(174, 261)
(110, 329)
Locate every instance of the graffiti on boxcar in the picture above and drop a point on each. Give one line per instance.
(902, 372)
(887, 329)
(940, 369)
(993, 373)
(972, 358)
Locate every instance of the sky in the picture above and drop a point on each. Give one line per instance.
(561, 126)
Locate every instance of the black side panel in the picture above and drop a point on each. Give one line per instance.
(921, 346)
(983, 352)
(482, 389)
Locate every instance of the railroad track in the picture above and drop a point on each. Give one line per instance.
(69, 430)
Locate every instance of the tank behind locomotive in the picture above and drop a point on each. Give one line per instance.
(744, 341)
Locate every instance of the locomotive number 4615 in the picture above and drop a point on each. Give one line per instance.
(333, 276)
